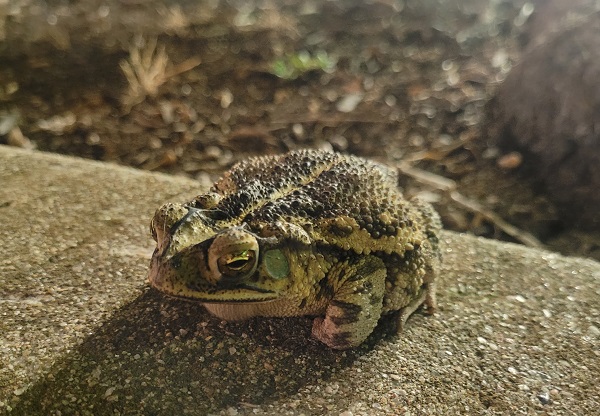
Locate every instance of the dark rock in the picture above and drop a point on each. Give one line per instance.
(548, 108)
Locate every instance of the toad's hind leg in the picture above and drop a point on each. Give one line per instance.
(428, 260)
(426, 297)
(356, 306)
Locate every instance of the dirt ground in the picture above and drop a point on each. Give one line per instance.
(188, 88)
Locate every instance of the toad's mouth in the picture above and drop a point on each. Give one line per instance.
(238, 295)
(242, 292)
(223, 297)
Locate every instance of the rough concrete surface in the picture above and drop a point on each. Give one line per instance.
(518, 330)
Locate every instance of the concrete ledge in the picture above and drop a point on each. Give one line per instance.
(518, 330)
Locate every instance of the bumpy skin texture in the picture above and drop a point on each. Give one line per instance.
(305, 233)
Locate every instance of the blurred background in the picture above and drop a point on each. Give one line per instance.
(489, 109)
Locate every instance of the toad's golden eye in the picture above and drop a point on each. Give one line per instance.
(232, 256)
(237, 264)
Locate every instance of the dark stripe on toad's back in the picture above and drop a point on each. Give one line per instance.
(292, 183)
(277, 171)
(276, 178)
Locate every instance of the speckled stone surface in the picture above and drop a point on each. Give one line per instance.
(518, 331)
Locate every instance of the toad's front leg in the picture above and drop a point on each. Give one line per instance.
(356, 306)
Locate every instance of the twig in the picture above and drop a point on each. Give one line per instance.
(519, 235)
(184, 66)
(428, 178)
(449, 187)
(441, 152)
(328, 120)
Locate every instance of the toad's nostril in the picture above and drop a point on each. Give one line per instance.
(163, 220)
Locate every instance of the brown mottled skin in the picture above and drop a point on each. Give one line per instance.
(304, 233)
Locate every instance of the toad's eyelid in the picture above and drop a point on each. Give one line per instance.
(194, 212)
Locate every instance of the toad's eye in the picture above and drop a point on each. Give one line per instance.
(232, 256)
(237, 264)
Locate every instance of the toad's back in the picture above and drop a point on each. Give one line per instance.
(309, 186)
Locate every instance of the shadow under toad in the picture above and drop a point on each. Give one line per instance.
(159, 355)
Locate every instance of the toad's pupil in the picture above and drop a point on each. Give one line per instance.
(237, 264)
